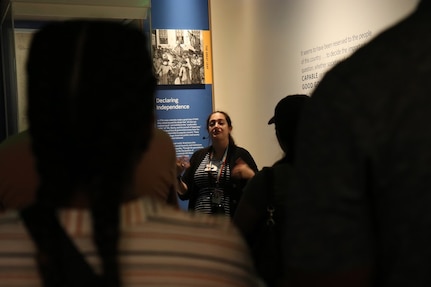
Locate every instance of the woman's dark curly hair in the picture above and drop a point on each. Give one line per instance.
(90, 111)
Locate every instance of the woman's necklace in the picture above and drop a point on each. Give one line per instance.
(216, 193)
(211, 167)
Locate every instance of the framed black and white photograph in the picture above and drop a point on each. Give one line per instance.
(178, 57)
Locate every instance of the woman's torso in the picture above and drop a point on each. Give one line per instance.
(212, 178)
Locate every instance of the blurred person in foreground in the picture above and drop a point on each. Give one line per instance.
(263, 203)
(18, 176)
(91, 116)
(361, 216)
(155, 174)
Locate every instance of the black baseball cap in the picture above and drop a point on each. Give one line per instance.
(288, 109)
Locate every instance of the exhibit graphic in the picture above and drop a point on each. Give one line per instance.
(179, 56)
(182, 57)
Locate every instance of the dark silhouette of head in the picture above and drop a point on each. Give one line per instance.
(90, 111)
(286, 118)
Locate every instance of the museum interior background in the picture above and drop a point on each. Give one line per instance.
(263, 50)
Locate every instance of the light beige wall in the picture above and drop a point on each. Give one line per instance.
(257, 60)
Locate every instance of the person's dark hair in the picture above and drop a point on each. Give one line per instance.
(229, 123)
(90, 111)
(286, 118)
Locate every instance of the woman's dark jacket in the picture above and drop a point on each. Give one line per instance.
(235, 186)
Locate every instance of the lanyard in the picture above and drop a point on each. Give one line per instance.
(223, 163)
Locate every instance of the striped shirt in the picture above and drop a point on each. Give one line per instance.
(159, 246)
(206, 181)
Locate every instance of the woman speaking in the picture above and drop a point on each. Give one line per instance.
(214, 178)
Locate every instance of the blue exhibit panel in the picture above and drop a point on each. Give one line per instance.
(183, 113)
(180, 14)
(182, 110)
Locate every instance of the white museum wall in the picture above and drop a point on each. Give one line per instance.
(257, 58)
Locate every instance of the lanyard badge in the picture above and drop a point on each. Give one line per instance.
(210, 167)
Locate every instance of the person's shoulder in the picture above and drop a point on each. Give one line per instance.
(194, 218)
(161, 137)
(284, 173)
(162, 141)
(280, 170)
(22, 138)
(212, 238)
(15, 148)
(161, 134)
(203, 149)
(10, 222)
(200, 151)
(9, 216)
(261, 174)
(257, 182)
(191, 222)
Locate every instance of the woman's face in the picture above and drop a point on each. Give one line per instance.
(218, 127)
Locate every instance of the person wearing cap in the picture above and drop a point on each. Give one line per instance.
(285, 119)
(252, 211)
